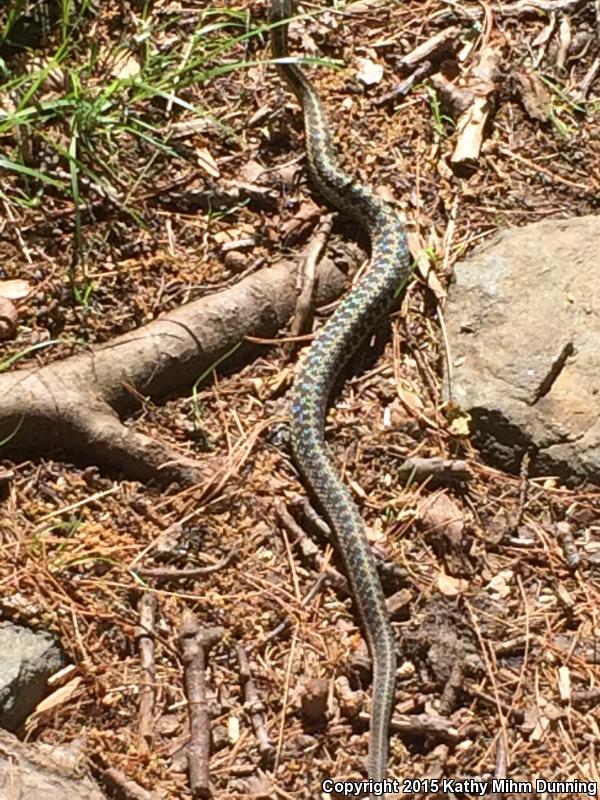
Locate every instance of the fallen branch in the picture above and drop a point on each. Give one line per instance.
(195, 643)
(76, 405)
(146, 632)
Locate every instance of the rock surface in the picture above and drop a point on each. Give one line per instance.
(27, 659)
(40, 772)
(523, 320)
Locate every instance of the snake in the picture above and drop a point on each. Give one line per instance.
(320, 367)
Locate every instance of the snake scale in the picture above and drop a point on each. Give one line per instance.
(332, 348)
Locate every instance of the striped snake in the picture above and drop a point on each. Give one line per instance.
(356, 316)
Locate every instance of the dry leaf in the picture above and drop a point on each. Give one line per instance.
(15, 289)
(375, 532)
(411, 399)
(440, 515)
(222, 237)
(530, 719)
(126, 66)
(460, 420)
(545, 34)
(500, 583)
(542, 726)
(251, 171)
(308, 213)
(534, 95)
(553, 712)
(370, 72)
(207, 162)
(449, 586)
(427, 272)
(461, 425)
(8, 318)
(406, 670)
(168, 724)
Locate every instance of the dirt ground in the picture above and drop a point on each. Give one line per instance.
(494, 577)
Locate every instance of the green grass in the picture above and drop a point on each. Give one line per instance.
(197, 406)
(440, 120)
(103, 121)
(89, 116)
(9, 361)
(99, 114)
(563, 110)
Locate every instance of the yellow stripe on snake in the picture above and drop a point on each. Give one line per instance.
(356, 316)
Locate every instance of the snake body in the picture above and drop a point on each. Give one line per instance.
(339, 338)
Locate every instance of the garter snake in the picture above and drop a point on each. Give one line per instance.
(356, 316)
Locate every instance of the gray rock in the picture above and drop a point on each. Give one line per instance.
(523, 320)
(27, 659)
(41, 772)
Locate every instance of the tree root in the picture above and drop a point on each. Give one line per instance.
(78, 405)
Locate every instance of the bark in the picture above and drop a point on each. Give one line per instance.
(40, 772)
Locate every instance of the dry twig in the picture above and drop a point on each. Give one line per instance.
(437, 45)
(432, 725)
(172, 573)
(442, 470)
(122, 787)
(588, 81)
(500, 771)
(146, 632)
(256, 708)
(307, 276)
(310, 550)
(549, 6)
(195, 643)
